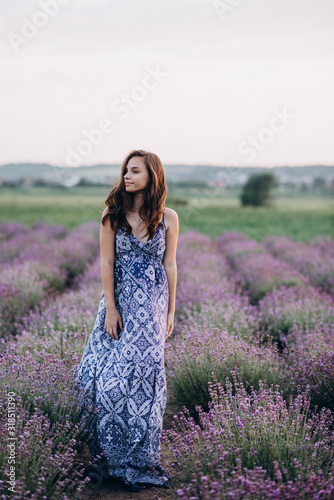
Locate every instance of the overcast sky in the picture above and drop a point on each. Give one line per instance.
(221, 82)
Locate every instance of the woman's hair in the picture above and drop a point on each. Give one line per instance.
(119, 201)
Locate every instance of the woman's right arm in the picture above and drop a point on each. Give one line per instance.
(107, 246)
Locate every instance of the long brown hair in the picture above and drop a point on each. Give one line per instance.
(119, 200)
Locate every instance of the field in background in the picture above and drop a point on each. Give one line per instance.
(297, 215)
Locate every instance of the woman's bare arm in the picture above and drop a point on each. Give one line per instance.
(107, 247)
(169, 261)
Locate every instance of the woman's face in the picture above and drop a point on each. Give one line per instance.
(136, 174)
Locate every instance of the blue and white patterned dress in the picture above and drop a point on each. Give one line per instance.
(126, 378)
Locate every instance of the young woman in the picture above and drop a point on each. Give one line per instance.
(122, 367)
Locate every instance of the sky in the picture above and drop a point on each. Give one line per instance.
(220, 82)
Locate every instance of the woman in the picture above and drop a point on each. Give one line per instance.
(122, 368)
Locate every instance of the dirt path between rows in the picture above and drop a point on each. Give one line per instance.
(113, 489)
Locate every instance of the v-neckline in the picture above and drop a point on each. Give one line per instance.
(143, 243)
(150, 239)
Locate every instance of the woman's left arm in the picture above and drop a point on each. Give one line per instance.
(169, 263)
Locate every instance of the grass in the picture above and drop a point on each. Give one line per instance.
(300, 216)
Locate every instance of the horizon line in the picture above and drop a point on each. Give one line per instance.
(169, 165)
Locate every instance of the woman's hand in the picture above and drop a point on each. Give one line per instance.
(113, 318)
(170, 323)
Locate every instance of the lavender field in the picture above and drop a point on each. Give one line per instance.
(249, 365)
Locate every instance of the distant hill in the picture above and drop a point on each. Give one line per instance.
(174, 173)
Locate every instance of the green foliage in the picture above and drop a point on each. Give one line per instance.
(189, 387)
(256, 191)
(301, 217)
(259, 429)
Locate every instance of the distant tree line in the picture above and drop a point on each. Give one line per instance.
(40, 182)
(256, 191)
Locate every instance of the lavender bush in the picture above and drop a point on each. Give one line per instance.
(257, 271)
(202, 272)
(44, 273)
(205, 281)
(16, 239)
(202, 353)
(314, 373)
(44, 456)
(253, 485)
(10, 229)
(42, 379)
(315, 261)
(258, 432)
(21, 289)
(284, 309)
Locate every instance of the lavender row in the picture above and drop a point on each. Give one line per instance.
(43, 270)
(258, 271)
(313, 260)
(9, 231)
(287, 301)
(252, 446)
(215, 325)
(38, 368)
(41, 426)
(19, 243)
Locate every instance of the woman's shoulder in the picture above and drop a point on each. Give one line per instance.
(170, 211)
(171, 217)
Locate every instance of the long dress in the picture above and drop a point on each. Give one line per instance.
(125, 379)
